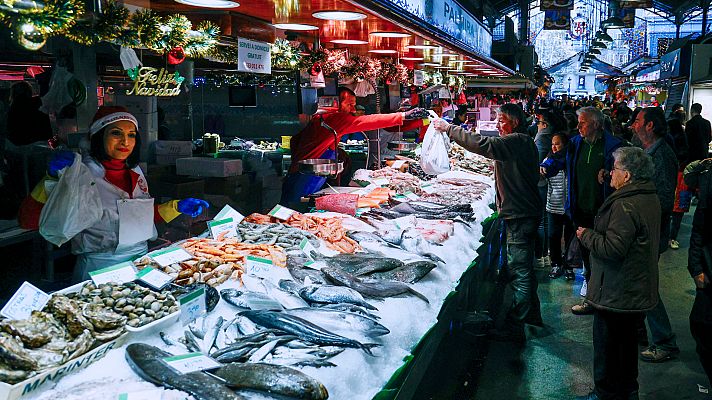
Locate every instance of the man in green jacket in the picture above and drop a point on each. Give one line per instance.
(516, 175)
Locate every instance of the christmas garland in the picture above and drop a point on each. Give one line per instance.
(31, 26)
(391, 71)
(284, 55)
(361, 68)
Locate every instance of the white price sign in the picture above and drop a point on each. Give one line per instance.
(229, 212)
(398, 163)
(411, 196)
(152, 394)
(263, 268)
(381, 181)
(28, 298)
(307, 248)
(191, 362)
(154, 278)
(253, 56)
(119, 273)
(428, 188)
(192, 306)
(170, 255)
(404, 222)
(281, 212)
(224, 228)
(366, 190)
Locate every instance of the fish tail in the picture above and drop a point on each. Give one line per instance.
(418, 295)
(366, 347)
(434, 257)
(367, 305)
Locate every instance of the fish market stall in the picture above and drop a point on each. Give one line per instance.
(316, 299)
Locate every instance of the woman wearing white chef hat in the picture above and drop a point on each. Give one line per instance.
(128, 213)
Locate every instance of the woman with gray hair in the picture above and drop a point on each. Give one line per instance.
(624, 272)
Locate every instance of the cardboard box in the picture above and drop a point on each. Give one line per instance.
(208, 167)
(175, 187)
(173, 148)
(50, 377)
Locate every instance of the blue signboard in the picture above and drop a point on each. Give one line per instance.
(670, 64)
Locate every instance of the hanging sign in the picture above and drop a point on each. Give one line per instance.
(253, 56)
(578, 28)
(154, 82)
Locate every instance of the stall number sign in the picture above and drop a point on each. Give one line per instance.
(191, 362)
(224, 228)
(281, 212)
(253, 56)
(192, 306)
(263, 268)
(27, 299)
(170, 255)
(154, 278)
(119, 273)
(154, 82)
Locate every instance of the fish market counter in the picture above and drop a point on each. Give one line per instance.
(356, 374)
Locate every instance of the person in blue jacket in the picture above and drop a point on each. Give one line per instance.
(587, 160)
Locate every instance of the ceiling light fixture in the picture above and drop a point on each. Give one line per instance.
(613, 23)
(210, 3)
(604, 37)
(334, 15)
(383, 51)
(597, 44)
(349, 41)
(296, 27)
(390, 34)
(421, 47)
(412, 58)
(594, 50)
(431, 64)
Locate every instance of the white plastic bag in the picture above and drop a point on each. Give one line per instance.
(72, 206)
(434, 158)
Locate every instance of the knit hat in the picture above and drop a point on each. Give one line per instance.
(106, 115)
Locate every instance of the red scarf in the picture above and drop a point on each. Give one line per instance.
(119, 175)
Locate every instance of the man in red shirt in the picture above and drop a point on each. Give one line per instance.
(316, 141)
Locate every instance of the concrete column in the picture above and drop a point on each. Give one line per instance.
(524, 22)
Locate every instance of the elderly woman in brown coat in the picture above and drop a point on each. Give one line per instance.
(624, 272)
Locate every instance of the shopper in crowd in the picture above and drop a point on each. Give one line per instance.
(558, 222)
(460, 116)
(316, 140)
(26, 124)
(624, 272)
(676, 127)
(518, 202)
(699, 134)
(587, 158)
(698, 175)
(650, 127)
(123, 230)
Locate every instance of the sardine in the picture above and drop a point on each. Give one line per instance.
(211, 335)
(305, 330)
(263, 351)
(191, 342)
(370, 287)
(333, 294)
(340, 322)
(275, 379)
(146, 361)
(233, 355)
(409, 273)
(250, 300)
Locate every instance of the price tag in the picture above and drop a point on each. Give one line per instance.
(314, 265)
(152, 394)
(366, 190)
(229, 212)
(154, 278)
(281, 212)
(411, 196)
(381, 181)
(404, 222)
(170, 255)
(27, 299)
(225, 227)
(263, 268)
(307, 248)
(192, 306)
(191, 362)
(428, 188)
(398, 163)
(119, 273)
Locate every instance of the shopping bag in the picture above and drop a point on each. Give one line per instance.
(573, 254)
(434, 158)
(72, 206)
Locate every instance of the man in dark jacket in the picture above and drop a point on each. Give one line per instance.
(698, 175)
(651, 128)
(518, 202)
(624, 272)
(699, 134)
(588, 157)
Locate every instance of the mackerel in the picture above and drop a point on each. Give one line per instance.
(333, 294)
(340, 322)
(371, 287)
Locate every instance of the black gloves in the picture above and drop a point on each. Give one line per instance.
(415, 113)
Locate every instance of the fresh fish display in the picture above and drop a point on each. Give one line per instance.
(286, 298)
(351, 308)
(370, 287)
(284, 236)
(275, 379)
(147, 362)
(305, 330)
(409, 273)
(212, 297)
(295, 265)
(361, 264)
(468, 161)
(454, 192)
(340, 322)
(211, 335)
(333, 294)
(250, 300)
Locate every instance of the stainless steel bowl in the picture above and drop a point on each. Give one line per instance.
(320, 166)
(402, 146)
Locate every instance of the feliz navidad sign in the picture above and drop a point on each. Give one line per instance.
(154, 82)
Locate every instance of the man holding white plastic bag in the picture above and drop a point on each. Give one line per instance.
(518, 203)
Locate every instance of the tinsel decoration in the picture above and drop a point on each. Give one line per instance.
(31, 26)
(201, 41)
(392, 72)
(361, 68)
(285, 56)
(323, 60)
(226, 54)
(107, 26)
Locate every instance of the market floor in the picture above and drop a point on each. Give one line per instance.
(556, 362)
